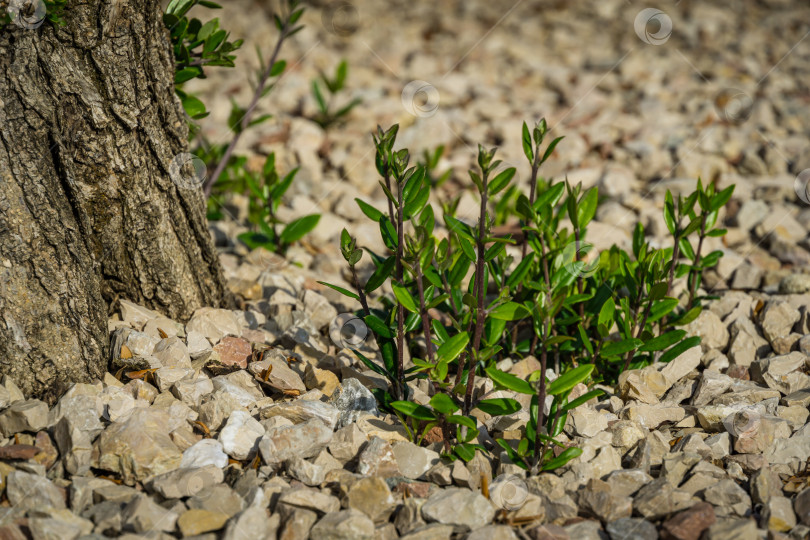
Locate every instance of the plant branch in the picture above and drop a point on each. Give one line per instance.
(480, 315)
(245, 121)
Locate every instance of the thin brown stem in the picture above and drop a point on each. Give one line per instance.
(245, 120)
(695, 272)
(580, 281)
(360, 292)
(400, 308)
(636, 306)
(423, 314)
(480, 315)
(429, 346)
(390, 203)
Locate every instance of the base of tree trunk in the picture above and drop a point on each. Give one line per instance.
(93, 205)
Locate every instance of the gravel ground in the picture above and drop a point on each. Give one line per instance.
(259, 423)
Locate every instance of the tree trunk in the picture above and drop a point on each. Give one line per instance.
(89, 212)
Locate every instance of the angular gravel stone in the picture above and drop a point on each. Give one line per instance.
(733, 529)
(181, 483)
(659, 498)
(777, 320)
(372, 497)
(458, 507)
(344, 525)
(493, 532)
(347, 443)
(414, 461)
(778, 514)
(240, 436)
(302, 410)
(378, 459)
(197, 521)
(234, 351)
(172, 353)
(689, 524)
(214, 324)
(645, 385)
(142, 515)
(30, 415)
(30, 491)
(598, 500)
(252, 523)
(353, 399)
(729, 497)
(628, 528)
(310, 499)
(301, 440)
(204, 453)
(713, 333)
(138, 447)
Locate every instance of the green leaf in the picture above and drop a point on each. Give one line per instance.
(662, 342)
(404, 297)
(194, 107)
(372, 213)
(662, 308)
(253, 240)
(520, 271)
(467, 248)
(186, 74)
(451, 348)
(586, 209)
(510, 311)
(341, 290)
(296, 229)
(444, 404)
(570, 379)
(681, 347)
(551, 148)
(493, 251)
(501, 181)
(658, 291)
(388, 233)
(498, 406)
(278, 68)
(509, 381)
(615, 348)
(458, 227)
(669, 212)
(550, 197)
(567, 455)
(465, 451)
(378, 326)
(527, 143)
(373, 366)
(688, 317)
(382, 273)
(316, 91)
(606, 313)
(462, 421)
(719, 200)
(581, 400)
(414, 410)
(439, 330)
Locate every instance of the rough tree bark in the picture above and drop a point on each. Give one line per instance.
(89, 213)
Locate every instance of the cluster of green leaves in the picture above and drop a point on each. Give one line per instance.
(471, 304)
(53, 11)
(326, 116)
(196, 45)
(267, 188)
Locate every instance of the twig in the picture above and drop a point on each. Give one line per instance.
(245, 121)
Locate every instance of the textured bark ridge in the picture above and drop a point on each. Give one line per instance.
(89, 213)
